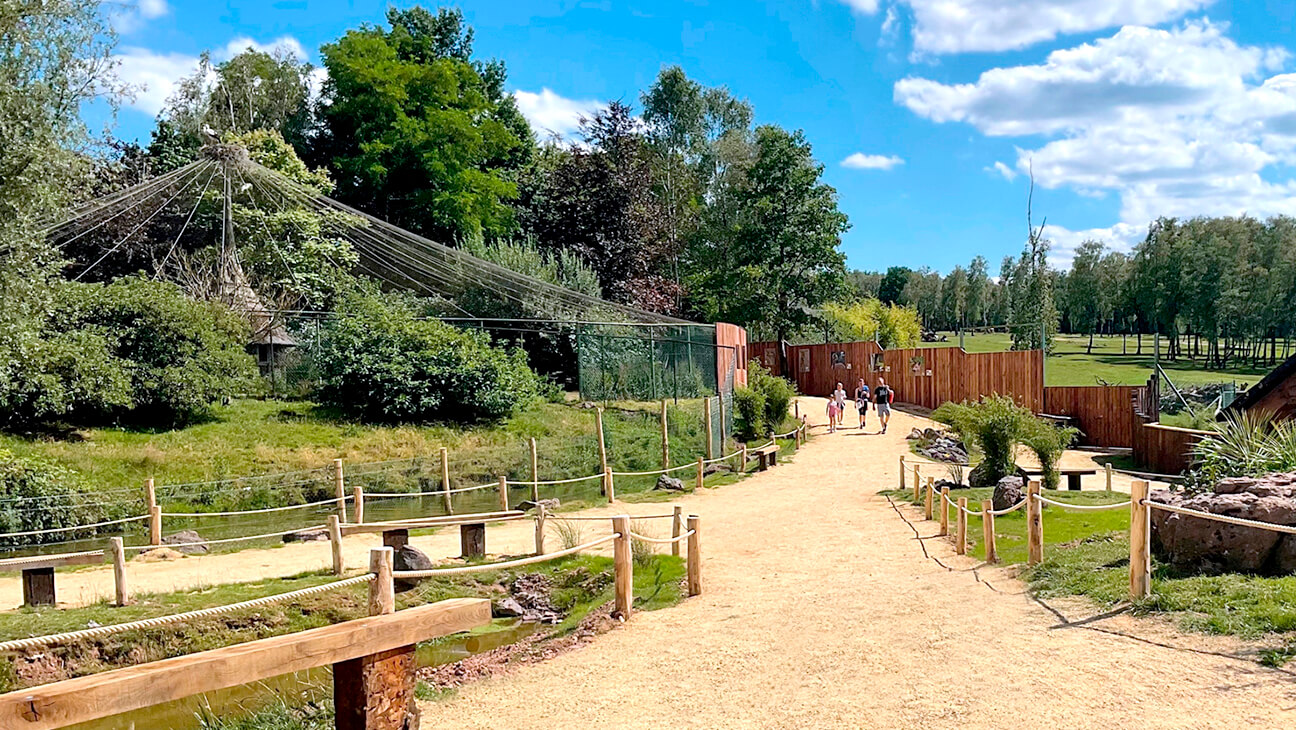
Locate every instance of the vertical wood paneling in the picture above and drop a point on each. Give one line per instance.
(1105, 412)
(731, 353)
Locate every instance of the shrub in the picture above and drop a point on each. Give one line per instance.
(778, 393)
(134, 351)
(35, 495)
(750, 408)
(379, 363)
(1245, 444)
(1048, 441)
(994, 426)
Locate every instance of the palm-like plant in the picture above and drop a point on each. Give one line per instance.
(1246, 444)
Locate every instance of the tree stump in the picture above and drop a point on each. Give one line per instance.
(472, 540)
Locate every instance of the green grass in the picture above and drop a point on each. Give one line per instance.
(1069, 364)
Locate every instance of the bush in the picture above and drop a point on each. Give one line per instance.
(1048, 441)
(1245, 444)
(134, 351)
(777, 392)
(750, 408)
(381, 364)
(994, 426)
(35, 495)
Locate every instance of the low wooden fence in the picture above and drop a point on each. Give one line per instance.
(1104, 413)
(1165, 449)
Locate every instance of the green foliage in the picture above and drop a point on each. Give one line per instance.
(1048, 441)
(994, 425)
(776, 392)
(379, 363)
(279, 715)
(749, 407)
(890, 325)
(134, 351)
(1245, 444)
(38, 495)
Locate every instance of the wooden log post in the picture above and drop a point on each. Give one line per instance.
(700, 467)
(150, 493)
(540, 529)
(928, 505)
(915, 473)
(1140, 566)
(1107, 468)
(445, 480)
(1034, 524)
(118, 552)
(988, 531)
(154, 512)
(382, 589)
(742, 459)
(796, 409)
(724, 433)
(960, 528)
(339, 486)
(602, 441)
(609, 487)
(335, 540)
(694, 555)
(902, 473)
(357, 510)
(535, 473)
(917, 491)
(623, 563)
(503, 493)
(677, 525)
(944, 512)
(665, 437)
(706, 422)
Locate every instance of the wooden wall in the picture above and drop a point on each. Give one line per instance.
(731, 352)
(1165, 449)
(767, 353)
(1105, 413)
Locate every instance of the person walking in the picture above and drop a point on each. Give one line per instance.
(861, 402)
(839, 395)
(882, 398)
(833, 414)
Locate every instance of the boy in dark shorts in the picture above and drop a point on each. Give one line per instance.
(862, 401)
(882, 397)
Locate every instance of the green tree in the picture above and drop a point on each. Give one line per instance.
(416, 133)
(892, 288)
(1085, 298)
(978, 292)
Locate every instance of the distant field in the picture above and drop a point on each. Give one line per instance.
(1068, 364)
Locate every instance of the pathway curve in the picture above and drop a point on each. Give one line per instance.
(820, 610)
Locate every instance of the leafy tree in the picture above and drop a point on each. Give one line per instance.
(889, 325)
(892, 288)
(978, 292)
(953, 300)
(1086, 301)
(1031, 309)
(785, 258)
(418, 134)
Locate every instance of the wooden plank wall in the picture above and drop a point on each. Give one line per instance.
(1165, 449)
(822, 376)
(731, 352)
(1105, 412)
(767, 353)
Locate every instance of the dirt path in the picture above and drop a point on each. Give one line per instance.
(821, 610)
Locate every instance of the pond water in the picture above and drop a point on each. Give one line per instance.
(313, 686)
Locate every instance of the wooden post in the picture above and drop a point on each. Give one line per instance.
(700, 467)
(931, 497)
(960, 529)
(988, 531)
(917, 490)
(150, 494)
(118, 552)
(540, 530)
(724, 436)
(382, 590)
(902, 471)
(624, 566)
(944, 512)
(796, 409)
(445, 480)
(694, 556)
(335, 537)
(665, 438)
(598, 424)
(503, 493)
(677, 523)
(535, 474)
(1108, 469)
(915, 472)
(742, 459)
(706, 418)
(608, 486)
(1140, 541)
(357, 510)
(339, 486)
(1034, 524)
(155, 525)
(38, 587)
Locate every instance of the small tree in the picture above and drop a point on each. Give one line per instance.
(776, 392)
(994, 426)
(1048, 441)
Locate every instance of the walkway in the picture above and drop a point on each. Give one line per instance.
(821, 611)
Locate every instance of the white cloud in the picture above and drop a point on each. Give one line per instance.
(242, 43)
(957, 26)
(1120, 237)
(861, 161)
(999, 168)
(128, 17)
(550, 113)
(1178, 122)
(153, 75)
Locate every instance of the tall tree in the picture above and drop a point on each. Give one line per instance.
(891, 290)
(1085, 298)
(978, 292)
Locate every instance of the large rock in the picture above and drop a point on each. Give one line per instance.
(188, 542)
(1008, 491)
(1202, 545)
(982, 478)
(550, 505)
(408, 557)
(667, 483)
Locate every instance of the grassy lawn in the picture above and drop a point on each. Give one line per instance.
(1087, 554)
(1070, 364)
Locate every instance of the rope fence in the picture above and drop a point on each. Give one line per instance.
(226, 540)
(485, 567)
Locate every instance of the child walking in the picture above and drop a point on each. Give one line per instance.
(834, 412)
(861, 402)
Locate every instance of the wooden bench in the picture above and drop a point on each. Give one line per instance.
(472, 529)
(38, 573)
(767, 455)
(1072, 476)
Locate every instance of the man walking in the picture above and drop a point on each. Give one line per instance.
(882, 397)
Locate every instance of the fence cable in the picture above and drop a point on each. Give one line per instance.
(408, 574)
(1288, 529)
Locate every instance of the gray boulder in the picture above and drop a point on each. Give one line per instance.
(1008, 491)
(180, 539)
(668, 483)
(550, 505)
(307, 536)
(408, 557)
(981, 476)
(1202, 545)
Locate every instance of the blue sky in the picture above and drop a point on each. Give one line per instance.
(925, 113)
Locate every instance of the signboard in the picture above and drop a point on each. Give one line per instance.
(803, 361)
(837, 358)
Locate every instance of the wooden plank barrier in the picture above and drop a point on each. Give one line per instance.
(374, 690)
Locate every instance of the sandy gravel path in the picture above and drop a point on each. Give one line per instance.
(821, 611)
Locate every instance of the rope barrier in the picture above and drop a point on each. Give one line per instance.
(56, 530)
(1014, 508)
(587, 518)
(565, 481)
(408, 574)
(38, 641)
(1288, 529)
(227, 539)
(320, 503)
(1084, 507)
(659, 540)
